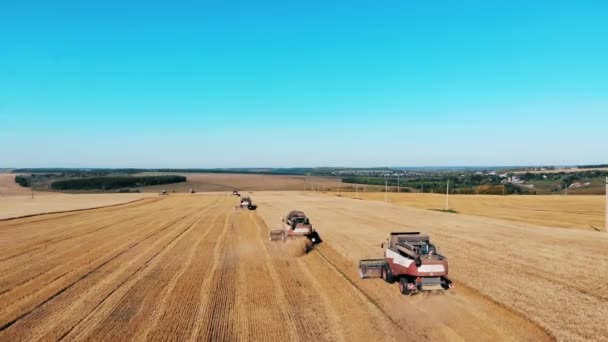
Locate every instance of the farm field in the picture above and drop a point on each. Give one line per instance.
(8, 187)
(243, 182)
(48, 202)
(583, 212)
(552, 276)
(194, 267)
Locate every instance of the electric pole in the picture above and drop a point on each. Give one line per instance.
(385, 190)
(447, 195)
(606, 204)
(398, 188)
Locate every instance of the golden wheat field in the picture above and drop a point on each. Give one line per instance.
(580, 211)
(194, 267)
(555, 278)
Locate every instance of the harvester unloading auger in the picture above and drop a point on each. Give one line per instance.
(295, 225)
(412, 260)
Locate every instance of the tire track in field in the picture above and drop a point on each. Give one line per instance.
(27, 310)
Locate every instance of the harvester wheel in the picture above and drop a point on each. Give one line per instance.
(403, 286)
(387, 275)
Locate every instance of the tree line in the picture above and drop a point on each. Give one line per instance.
(114, 182)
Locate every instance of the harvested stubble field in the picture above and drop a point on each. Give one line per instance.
(176, 267)
(584, 211)
(8, 187)
(245, 182)
(194, 267)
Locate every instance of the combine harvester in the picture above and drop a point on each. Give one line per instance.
(295, 225)
(246, 203)
(412, 260)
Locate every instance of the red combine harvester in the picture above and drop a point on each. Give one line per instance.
(246, 203)
(412, 260)
(295, 225)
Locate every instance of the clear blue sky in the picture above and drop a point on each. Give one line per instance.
(318, 83)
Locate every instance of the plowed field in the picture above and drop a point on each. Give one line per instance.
(194, 267)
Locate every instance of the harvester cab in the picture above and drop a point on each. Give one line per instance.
(412, 260)
(295, 225)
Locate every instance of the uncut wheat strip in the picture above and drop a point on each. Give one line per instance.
(539, 297)
(96, 284)
(538, 257)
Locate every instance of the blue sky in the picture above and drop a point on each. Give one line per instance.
(313, 83)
